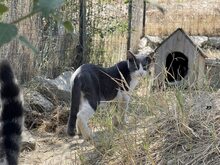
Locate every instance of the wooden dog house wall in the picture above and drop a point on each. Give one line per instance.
(178, 59)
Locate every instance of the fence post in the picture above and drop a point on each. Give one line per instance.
(81, 48)
(144, 18)
(135, 23)
(129, 24)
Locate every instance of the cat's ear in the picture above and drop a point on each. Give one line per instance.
(130, 55)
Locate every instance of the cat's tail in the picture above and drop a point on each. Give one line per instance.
(75, 102)
(12, 114)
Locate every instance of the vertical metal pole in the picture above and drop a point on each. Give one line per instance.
(129, 24)
(144, 19)
(81, 48)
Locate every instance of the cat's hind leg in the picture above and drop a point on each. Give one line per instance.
(85, 113)
(75, 103)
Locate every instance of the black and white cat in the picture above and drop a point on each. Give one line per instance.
(11, 118)
(92, 84)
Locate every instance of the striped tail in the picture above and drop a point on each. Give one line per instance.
(12, 114)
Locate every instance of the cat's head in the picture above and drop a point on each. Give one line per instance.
(139, 65)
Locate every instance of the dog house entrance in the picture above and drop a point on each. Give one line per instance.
(176, 66)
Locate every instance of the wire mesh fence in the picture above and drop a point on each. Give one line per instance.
(107, 27)
(55, 46)
(106, 31)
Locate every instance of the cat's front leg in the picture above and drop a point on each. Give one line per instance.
(124, 107)
(122, 118)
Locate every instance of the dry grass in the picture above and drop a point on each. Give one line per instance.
(212, 53)
(165, 127)
(187, 130)
(195, 17)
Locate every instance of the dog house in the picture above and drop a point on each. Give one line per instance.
(178, 59)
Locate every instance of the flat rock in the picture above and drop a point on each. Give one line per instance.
(58, 89)
(38, 102)
(199, 40)
(153, 41)
(214, 42)
(28, 142)
(145, 51)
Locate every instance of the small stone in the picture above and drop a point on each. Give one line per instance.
(28, 142)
